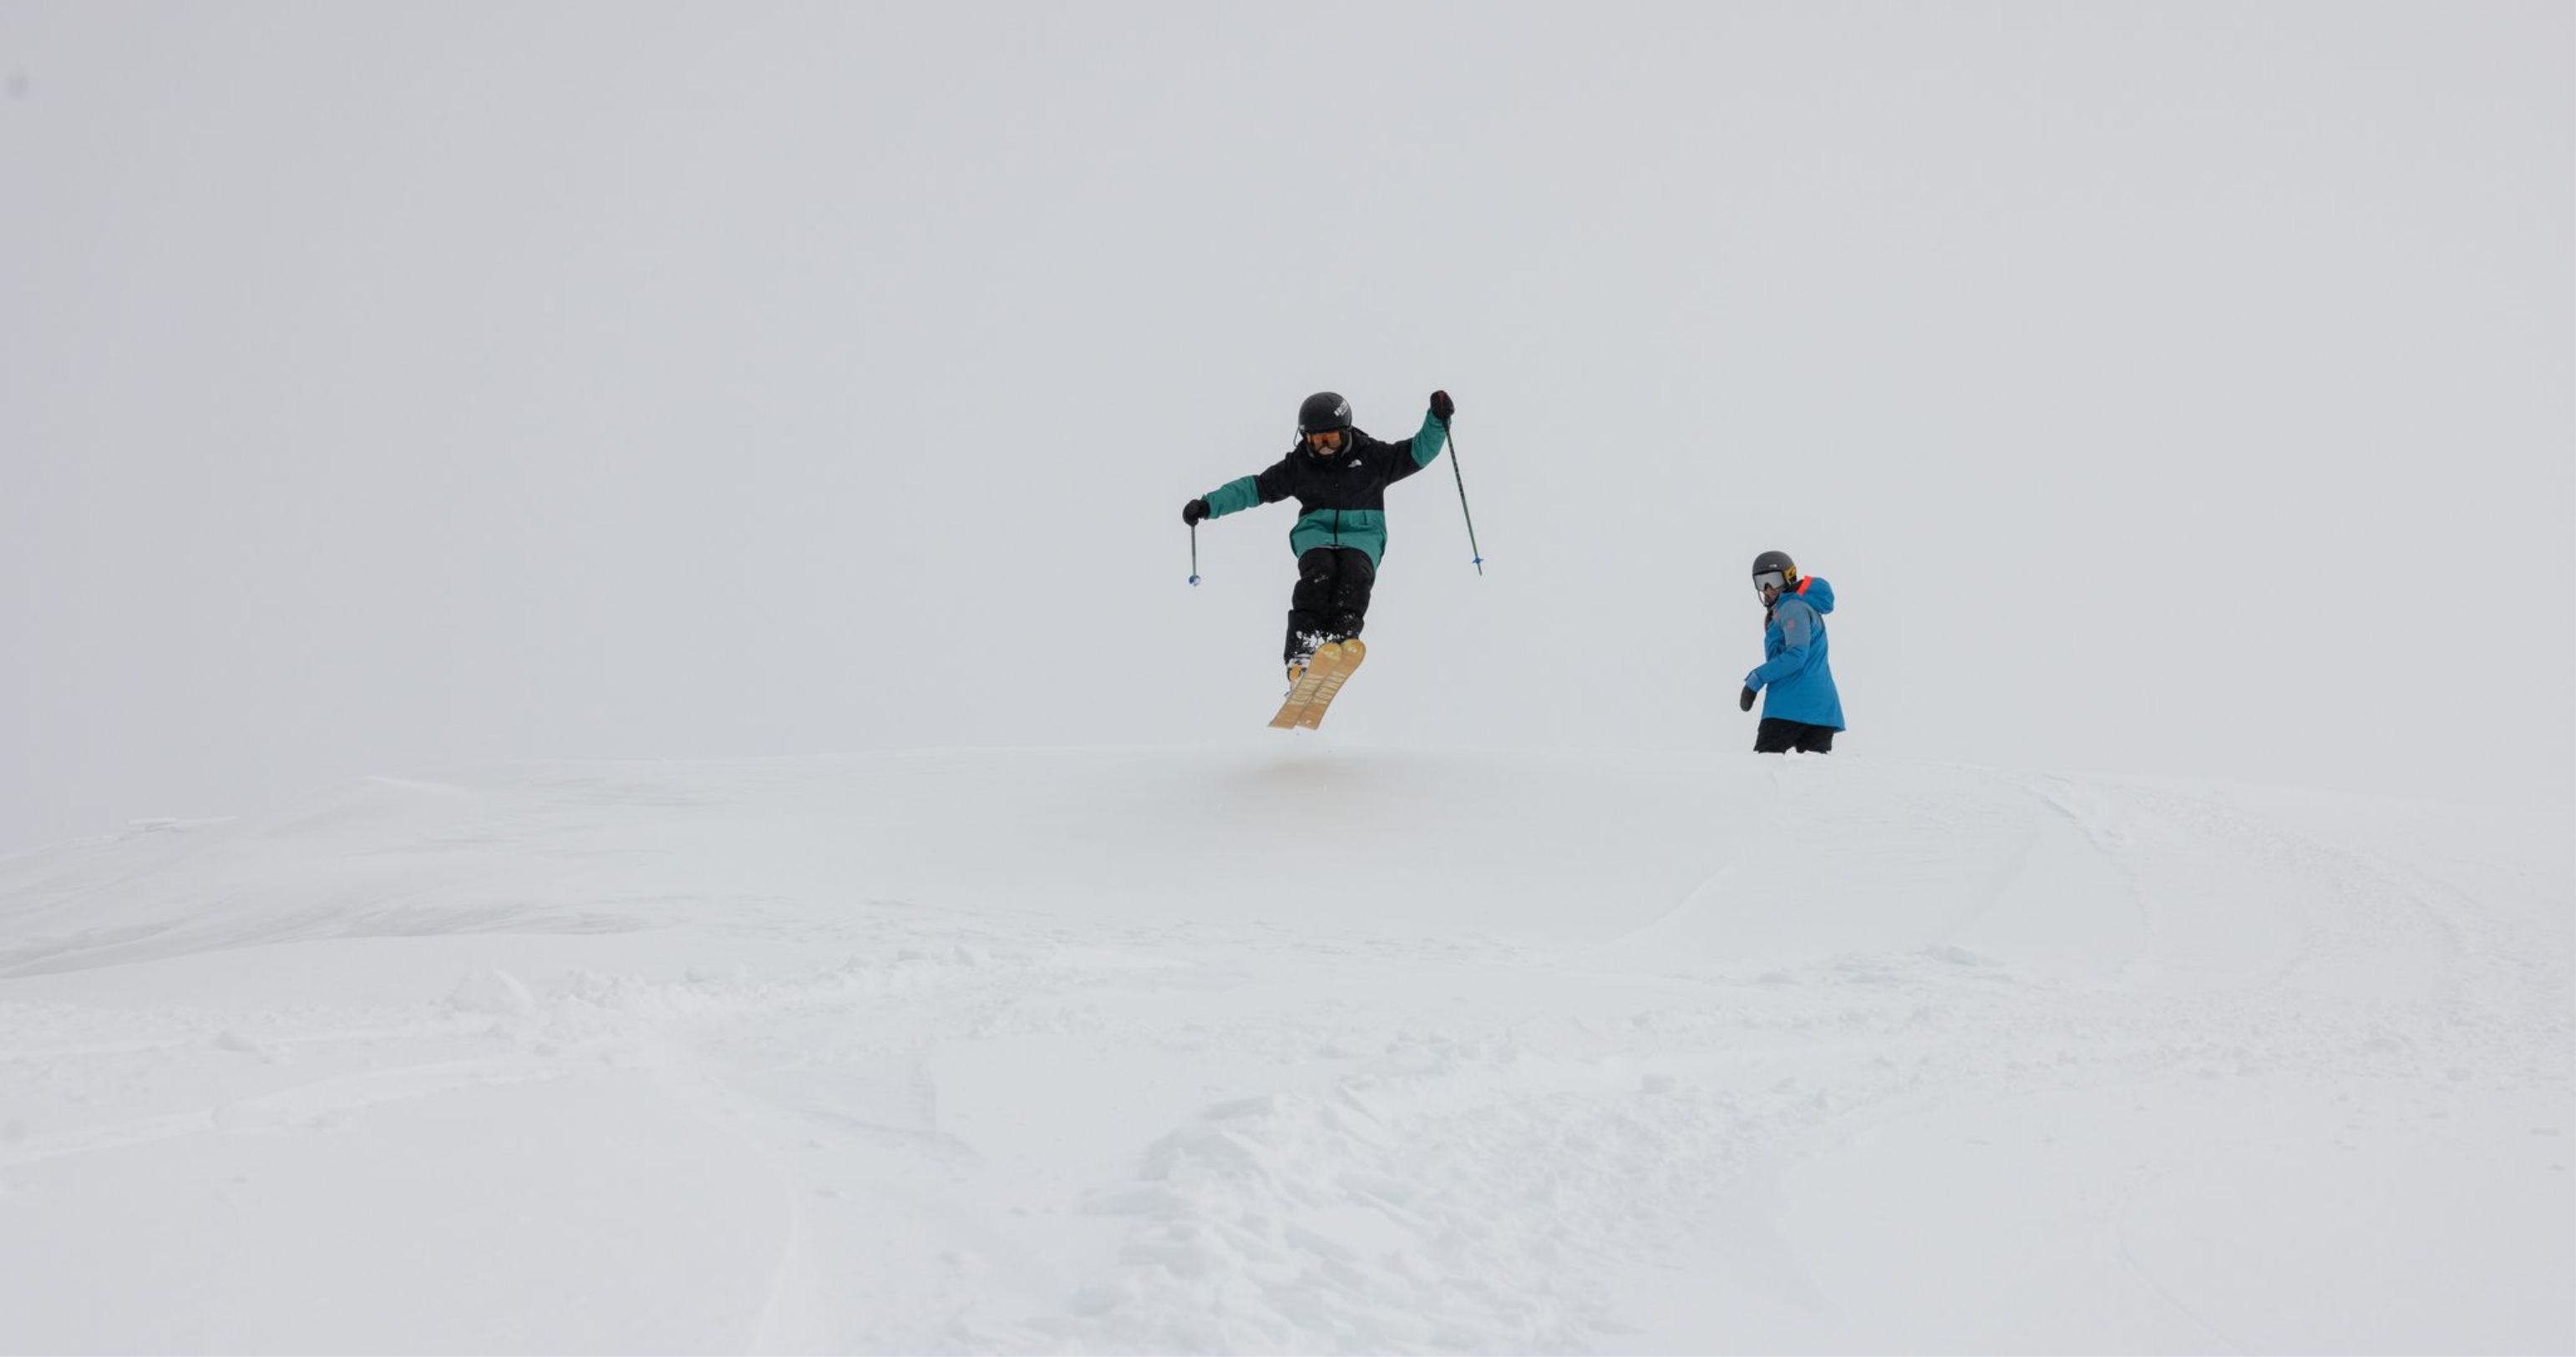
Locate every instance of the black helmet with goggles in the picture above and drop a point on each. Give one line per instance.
(1774, 572)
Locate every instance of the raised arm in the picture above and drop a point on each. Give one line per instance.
(1425, 445)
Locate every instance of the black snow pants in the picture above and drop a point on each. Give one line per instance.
(1779, 737)
(1330, 601)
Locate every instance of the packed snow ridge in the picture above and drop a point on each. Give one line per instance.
(1292, 1049)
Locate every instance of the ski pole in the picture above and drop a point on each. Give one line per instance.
(1194, 553)
(1462, 504)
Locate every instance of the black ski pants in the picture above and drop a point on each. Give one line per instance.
(1779, 737)
(1331, 598)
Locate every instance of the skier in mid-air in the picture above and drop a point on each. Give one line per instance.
(1338, 476)
(1801, 710)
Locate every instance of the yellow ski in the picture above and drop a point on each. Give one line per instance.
(1301, 694)
(1352, 653)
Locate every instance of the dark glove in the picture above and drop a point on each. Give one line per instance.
(1745, 703)
(1193, 511)
(1442, 407)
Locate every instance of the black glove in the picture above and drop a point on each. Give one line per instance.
(1193, 511)
(1442, 407)
(1745, 703)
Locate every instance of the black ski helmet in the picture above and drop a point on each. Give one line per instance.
(1770, 562)
(1323, 410)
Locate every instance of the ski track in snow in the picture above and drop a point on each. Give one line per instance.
(996, 1121)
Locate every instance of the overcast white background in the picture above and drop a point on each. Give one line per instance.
(2179, 389)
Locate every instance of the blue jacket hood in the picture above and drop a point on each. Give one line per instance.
(1818, 594)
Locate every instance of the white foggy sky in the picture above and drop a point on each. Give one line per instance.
(2180, 389)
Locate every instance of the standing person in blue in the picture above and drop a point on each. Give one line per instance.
(1802, 711)
(1338, 476)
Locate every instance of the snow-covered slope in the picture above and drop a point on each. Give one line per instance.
(1290, 1047)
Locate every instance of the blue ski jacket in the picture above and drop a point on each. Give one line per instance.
(1796, 682)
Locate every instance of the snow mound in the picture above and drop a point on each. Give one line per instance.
(1292, 1048)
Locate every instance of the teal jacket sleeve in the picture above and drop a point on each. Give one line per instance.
(1419, 450)
(1428, 441)
(1235, 496)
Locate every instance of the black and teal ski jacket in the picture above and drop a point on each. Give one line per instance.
(1342, 498)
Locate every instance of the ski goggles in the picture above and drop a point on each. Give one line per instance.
(1768, 580)
(1324, 438)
